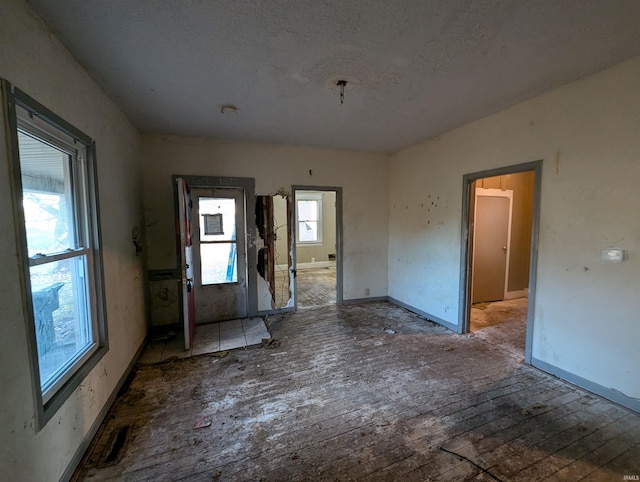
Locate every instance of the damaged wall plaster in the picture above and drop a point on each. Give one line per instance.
(365, 208)
(275, 288)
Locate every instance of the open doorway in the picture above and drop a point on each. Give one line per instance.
(317, 234)
(500, 226)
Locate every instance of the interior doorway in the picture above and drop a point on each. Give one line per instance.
(317, 231)
(500, 226)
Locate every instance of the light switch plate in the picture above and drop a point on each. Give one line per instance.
(613, 255)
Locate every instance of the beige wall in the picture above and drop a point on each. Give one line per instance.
(37, 63)
(363, 177)
(522, 215)
(586, 133)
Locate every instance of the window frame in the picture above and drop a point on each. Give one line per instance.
(54, 130)
(309, 196)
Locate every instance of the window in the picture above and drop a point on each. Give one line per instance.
(53, 186)
(218, 245)
(309, 217)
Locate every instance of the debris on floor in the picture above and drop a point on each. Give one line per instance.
(220, 354)
(165, 337)
(202, 423)
(389, 331)
(346, 402)
(270, 343)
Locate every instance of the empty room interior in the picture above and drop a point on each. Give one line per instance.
(320, 240)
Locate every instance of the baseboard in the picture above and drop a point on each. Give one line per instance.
(512, 295)
(608, 393)
(317, 264)
(278, 311)
(424, 314)
(354, 301)
(77, 457)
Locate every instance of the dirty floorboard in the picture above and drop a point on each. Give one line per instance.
(316, 287)
(361, 392)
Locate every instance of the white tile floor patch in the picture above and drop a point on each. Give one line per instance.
(210, 338)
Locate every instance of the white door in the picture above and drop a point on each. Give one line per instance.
(491, 240)
(219, 254)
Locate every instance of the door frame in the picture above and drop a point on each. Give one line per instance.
(466, 245)
(247, 184)
(339, 241)
(489, 192)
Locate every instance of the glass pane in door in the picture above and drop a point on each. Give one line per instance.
(218, 263)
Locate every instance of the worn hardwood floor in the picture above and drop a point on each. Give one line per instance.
(316, 288)
(361, 392)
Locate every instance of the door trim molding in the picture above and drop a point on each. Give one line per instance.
(248, 185)
(339, 240)
(466, 249)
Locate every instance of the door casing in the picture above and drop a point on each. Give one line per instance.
(466, 245)
(339, 241)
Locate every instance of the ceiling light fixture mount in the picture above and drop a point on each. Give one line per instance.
(341, 84)
(229, 109)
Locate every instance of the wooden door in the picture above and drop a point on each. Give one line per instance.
(220, 254)
(491, 244)
(185, 252)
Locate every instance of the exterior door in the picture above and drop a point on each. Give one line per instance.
(220, 254)
(491, 244)
(185, 250)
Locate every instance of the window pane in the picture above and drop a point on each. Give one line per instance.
(308, 210)
(62, 322)
(225, 206)
(218, 263)
(308, 231)
(47, 201)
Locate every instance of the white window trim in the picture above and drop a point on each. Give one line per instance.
(24, 113)
(309, 196)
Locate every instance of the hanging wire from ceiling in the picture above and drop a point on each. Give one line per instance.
(341, 84)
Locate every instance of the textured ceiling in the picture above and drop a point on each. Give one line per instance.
(415, 68)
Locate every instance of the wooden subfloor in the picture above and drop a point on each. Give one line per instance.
(316, 287)
(361, 392)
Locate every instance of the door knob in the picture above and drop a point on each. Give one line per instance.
(504, 248)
